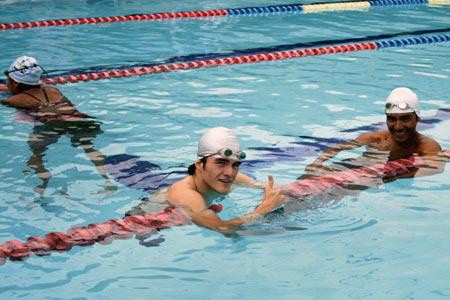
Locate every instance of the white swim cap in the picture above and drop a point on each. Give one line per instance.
(220, 142)
(26, 70)
(402, 100)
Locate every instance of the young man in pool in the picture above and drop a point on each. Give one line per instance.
(212, 176)
(401, 139)
(52, 115)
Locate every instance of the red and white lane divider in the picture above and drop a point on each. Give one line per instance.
(122, 228)
(232, 60)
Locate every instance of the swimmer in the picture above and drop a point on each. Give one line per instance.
(400, 140)
(212, 176)
(53, 115)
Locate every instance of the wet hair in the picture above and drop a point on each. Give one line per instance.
(22, 87)
(191, 168)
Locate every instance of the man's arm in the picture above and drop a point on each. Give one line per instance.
(433, 160)
(246, 180)
(362, 140)
(207, 218)
(433, 164)
(329, 153)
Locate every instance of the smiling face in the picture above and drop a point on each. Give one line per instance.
(402, 126)
(218, 173)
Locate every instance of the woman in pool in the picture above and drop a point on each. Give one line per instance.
(53, 116)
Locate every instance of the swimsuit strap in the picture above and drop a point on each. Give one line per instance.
(47, 100)
(46, 96)
(32, 96)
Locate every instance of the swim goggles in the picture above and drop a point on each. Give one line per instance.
(401, 106)
(25, 68)
(227, 152)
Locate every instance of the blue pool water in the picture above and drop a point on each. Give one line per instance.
(390, 242)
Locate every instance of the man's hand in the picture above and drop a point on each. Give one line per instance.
(3, 88)
(273, 197)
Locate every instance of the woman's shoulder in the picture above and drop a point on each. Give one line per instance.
(53, 93)
(50, 88)
(22, 100)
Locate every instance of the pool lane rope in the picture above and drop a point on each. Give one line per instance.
(245, 11)
(250, 58)
(125, 228)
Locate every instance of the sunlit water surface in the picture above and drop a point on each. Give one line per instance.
(388, 242)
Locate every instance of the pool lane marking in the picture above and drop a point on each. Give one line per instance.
(83, 73)
(245, 11)
(247, 59)
(105, 232)
(203, 56)
(231, 60)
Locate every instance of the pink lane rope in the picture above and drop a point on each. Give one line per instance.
(123, 228)
(361, 176)
(94, 233)
(232, 60)
(112, 19)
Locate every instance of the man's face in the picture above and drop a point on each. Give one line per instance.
(219, 173)
(402, 126)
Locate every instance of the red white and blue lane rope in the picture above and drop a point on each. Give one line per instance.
(245, 11)
(250, 58)
(122, 228)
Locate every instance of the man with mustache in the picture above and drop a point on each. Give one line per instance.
(401, 139)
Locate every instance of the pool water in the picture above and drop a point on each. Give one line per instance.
(387, 242)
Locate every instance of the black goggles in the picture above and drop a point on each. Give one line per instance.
(25, 68)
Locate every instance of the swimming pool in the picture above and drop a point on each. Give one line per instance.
(389, 242)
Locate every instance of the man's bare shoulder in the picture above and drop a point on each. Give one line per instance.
(428, 146)
(372, 137)
(184, 193)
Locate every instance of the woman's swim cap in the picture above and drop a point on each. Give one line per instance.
(26, 70)
(220, 142)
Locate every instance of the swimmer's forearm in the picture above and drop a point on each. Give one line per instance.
(251, 217)
(209, 219)
(260, 211)
(433, 165)
(248, 181)
(231, 226)
(334, 150)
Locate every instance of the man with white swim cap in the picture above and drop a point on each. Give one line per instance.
(401, 139)
(212, 175)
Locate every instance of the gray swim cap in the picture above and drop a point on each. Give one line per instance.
(26, 70)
